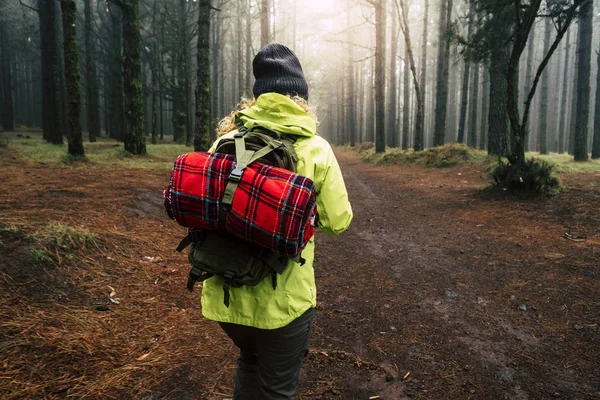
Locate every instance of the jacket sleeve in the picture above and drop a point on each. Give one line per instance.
(333, 207)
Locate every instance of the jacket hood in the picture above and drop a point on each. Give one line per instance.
(279, 113)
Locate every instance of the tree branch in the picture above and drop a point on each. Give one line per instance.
(28, 6)
(559, 35)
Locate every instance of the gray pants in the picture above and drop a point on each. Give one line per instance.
(270, 360)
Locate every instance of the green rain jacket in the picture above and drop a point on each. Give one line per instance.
(261, 306)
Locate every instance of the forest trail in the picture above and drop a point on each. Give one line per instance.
(437, 291)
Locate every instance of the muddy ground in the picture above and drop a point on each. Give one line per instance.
(437, 291)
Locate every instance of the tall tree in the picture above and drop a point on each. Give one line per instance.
(543, 111)
(419, 118)
(472, 140)
(202, 137)
(498, 133)
(443, 70)
(265, 23)
(596, 139)
(73, 122)
(584, 51)
(418, 142)
(51, 108)
(380, 12)
(562, 16)
(114, 80)
(563, 108)
(6, 80)
(134, 138)
(574, 97)
(93, 110)
(465, 87)
(393, 95)
(485, 102)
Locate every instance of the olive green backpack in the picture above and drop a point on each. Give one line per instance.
(214, 253)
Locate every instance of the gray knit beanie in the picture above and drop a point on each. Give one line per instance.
(277, 69)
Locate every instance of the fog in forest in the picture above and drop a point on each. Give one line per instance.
(354, 54)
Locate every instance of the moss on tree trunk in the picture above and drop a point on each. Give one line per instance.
(134, 139)
(73, 123)
(202, 134)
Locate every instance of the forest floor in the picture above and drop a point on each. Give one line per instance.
(437, 291)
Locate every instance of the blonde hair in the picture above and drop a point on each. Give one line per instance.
(227, 124)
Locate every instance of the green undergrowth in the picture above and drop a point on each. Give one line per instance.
(446, 156)
(55, 241)
(534, 178)
(30, 147)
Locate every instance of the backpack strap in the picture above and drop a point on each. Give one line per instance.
(196, 275)
(194, 235)
(244, 157)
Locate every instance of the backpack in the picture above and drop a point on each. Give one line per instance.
(219, 253)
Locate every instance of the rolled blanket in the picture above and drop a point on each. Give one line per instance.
(271, 207)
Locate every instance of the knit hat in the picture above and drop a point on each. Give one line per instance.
(277, 69)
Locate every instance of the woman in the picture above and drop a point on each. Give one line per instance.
(272, 327)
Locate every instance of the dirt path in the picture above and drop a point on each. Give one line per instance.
(429, 280)
(435, 292)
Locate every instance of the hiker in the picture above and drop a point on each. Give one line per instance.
(272, 327)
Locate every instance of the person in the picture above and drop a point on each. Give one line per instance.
(272, 327)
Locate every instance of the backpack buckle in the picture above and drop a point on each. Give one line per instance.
(236, 173)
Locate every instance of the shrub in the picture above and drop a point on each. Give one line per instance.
(534, 177)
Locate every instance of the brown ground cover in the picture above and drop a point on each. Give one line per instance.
(437, 291)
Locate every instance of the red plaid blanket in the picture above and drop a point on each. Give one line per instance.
(272, 207)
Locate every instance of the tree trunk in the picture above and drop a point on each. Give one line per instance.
(249, 55)
(93, 111)
(51, 122)
(485, 102)
(154, 78)
(393, 95)
(574, 96)
(465, 87)
(596, 141)
(202, 138)
(380, 11)
(418, 142)
(584, 50)
(6, 111)
(543, 115)
(443, 70)
(498, 142)
(472, 141)
(134, 139)
(73, 122)
(116, 92)
(265, 23)
(563, 107)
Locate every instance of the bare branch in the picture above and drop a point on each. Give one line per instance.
(28, 6)
(559, 35)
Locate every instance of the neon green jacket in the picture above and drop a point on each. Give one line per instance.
(261, 306)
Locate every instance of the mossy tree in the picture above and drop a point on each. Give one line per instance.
(51, 109)
(73, 120)
(202, 136)
(134, 139)
(93, 108)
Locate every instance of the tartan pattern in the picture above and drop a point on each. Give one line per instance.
(272, 207)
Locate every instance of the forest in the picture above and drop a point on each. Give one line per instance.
(468, 136)
(401, 74)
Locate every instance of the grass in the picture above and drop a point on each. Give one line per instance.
(445, 156)
(56, 241)
(454, 154)
(564, 163)
(32, 149)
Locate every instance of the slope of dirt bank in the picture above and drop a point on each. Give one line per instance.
(435, 292)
